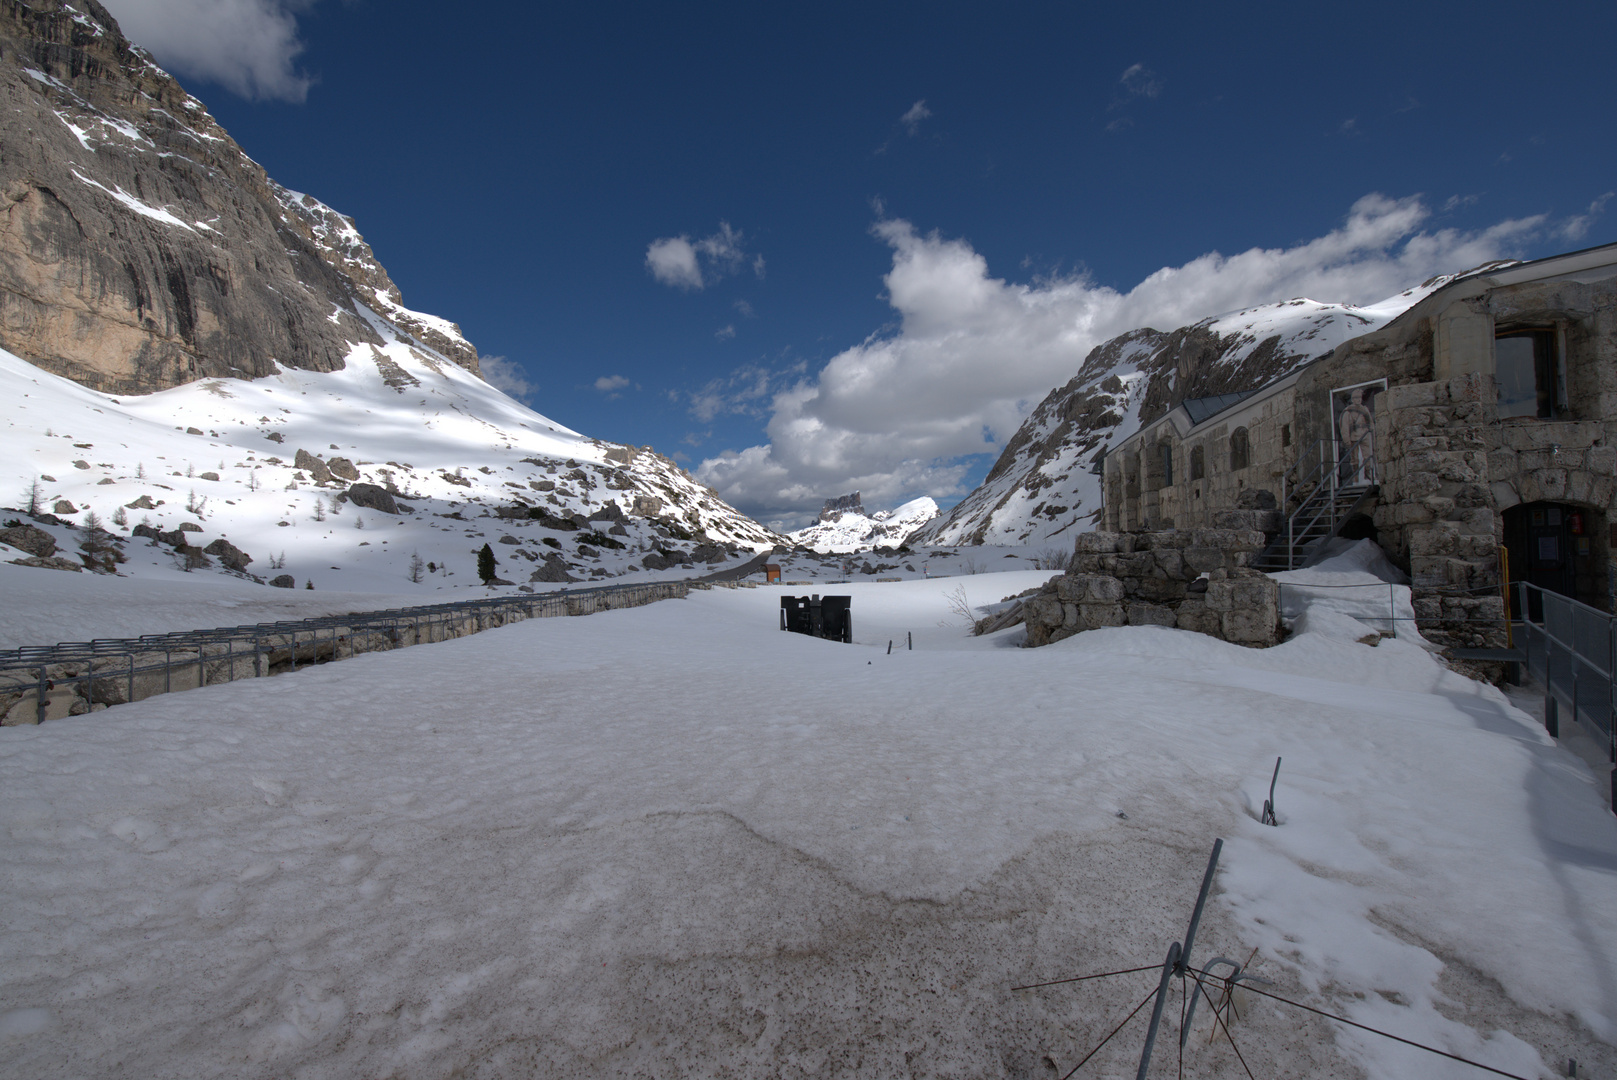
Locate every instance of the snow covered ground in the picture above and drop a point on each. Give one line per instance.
(672, 841)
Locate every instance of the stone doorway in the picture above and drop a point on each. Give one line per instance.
(1560, 547)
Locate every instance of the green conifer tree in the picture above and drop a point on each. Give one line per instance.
(485, 564)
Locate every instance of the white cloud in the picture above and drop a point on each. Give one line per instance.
(507, 376)
(1576, 228)
(912, 119)
(672, 261)
(247, 46)
(895, 415)
(684, 264)
(725, 333)
(606, 384)
(1138, 80)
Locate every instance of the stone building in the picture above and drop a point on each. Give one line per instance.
(1481, 421)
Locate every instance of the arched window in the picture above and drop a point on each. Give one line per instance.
(1198, 463)
(1240, 449)
(1167, 463)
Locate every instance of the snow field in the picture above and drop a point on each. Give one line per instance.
(672, 840)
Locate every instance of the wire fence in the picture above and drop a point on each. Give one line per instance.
(46, 682)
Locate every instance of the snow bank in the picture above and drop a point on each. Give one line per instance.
(674, 841)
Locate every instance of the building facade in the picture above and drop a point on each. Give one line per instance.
(1476, 433)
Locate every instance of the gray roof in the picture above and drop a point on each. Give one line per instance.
(1201, 408)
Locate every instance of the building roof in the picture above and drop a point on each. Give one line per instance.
(1199, 409)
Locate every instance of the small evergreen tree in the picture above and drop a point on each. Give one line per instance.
(34, 498)
(120, 517)
(320, 509)
(140, 471)
(308, 584)
(486, 564)
(359, 522)
(416, 567)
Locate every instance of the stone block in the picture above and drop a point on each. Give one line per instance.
(1193, 615)
(1142, 614)
(1428, 571)
(1043, 610)
(1411, 514)
(1250, 626)
(1170, 563)
(1095, 543)
(1439, 538)
(1601, 460)
(1419, 484)
(1423, 443)
(1095, 616)
(1220, 596)
(1456, 471)
(1201, 560)
(1104, 588)
(1411, 395)
(1162, 590)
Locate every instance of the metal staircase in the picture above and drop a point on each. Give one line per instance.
(1325, 499)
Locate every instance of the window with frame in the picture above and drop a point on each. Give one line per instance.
(1198, 463)
(1166, 450)
(1528, 372)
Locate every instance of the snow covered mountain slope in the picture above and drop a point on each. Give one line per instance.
(141, 248)
(1041, 488)
(280, 468)
(847, 532)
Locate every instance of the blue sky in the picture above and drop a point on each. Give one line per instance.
(806, 251)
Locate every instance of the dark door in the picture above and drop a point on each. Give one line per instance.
(1539, 539)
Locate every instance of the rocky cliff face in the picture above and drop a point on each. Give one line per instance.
(140, 248)
(1041, 489)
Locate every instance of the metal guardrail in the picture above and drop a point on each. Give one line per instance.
(75, 677)
(1572, 649)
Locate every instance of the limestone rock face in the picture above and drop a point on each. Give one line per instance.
(140, 248)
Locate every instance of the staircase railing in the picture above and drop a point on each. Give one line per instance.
(1318, 494)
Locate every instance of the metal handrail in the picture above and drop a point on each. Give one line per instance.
(1322, 484)
(1576, 663)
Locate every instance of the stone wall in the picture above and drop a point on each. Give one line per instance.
(1192, 579)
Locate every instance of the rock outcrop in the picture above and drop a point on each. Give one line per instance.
(140, 248)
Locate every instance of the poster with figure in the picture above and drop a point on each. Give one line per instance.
(1353, 426)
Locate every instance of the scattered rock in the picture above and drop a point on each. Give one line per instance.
(284, 581)
(27, 538)
(142, 503)
(190, 526)
(51, 563)
(372, 497)
(63, 506)
(509, 540)
(209, 475)
(554, 570)
(342, 468)
(275, 437)
(81, 464)
(229, 554)
(193, 431)
(312, 465)
(106, 480)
